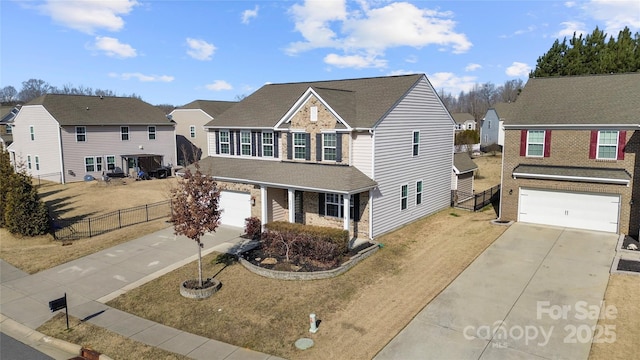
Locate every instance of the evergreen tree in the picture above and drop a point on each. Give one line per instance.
(24, 212)
(6, 171)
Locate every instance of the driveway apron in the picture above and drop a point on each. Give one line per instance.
(535, 293)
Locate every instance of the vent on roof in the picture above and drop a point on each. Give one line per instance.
(87, 108)
(314, 113)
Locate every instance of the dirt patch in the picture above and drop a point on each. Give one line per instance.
(489, 171)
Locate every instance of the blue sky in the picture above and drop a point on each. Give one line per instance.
(177, 51)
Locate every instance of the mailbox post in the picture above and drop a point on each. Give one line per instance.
(59, 304)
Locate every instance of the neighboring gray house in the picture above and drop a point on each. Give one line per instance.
(191, 137)
(366, 155)
(62, 138)
(462, 175)
(7, 114)
(492, 125)
(464, 121)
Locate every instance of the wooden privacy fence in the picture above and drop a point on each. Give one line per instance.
(475, 201)
(67, 229)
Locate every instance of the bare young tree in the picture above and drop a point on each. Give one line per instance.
(195, 210)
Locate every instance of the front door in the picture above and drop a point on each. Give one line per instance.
(299, 209)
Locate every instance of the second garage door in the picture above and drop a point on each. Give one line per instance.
(589, 211)
(236, 207)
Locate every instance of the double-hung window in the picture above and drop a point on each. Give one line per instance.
(37, 159)
(607, 144)
(192, 131)
(225, 146)
(334, 205)
(81, 133)
(535, 143)
(419, 192)
(89, 164)
(416, 143)
(32, 132)
(299, 146)
(245, 142)
(8, 129)
(29, 162)
(124, 133)
(111, 162)
(404, 196)
(152, 132)
(267, 144)
(329, 142)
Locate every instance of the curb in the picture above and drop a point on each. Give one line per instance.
(21, 332)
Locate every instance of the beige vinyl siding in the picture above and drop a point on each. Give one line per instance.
(465, 183)
(45, 145)
(277, 203)
(184, 119)
(105, 140)
(395, 164)
(362, 152)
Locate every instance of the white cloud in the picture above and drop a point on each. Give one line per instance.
(451, 83)
(615, 14)
(569, 28)
(367, 32)
(518, 69)
(472, 67)
(114, 48)
(247, 15)
(219, 85)
(88, 15)
(570, 4)
(411, 59)
(200, 49)
(142, 77)
(354, 61)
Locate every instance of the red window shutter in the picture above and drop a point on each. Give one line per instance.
(523, 142)
(547, 143)
(622, 139)
(593, 144)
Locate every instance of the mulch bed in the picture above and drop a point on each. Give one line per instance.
(629, 265)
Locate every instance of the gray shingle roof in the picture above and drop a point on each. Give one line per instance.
(313, 177)
(360, 102)
(596, 99)
(211, 107)
(463, 163)
(460, 118)
(504, 110)
(96, 110)
(573, 173)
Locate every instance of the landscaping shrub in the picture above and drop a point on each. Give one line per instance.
(253, 227)
(24, 212)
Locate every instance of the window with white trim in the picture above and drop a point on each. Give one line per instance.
(8, 129)
(245, 142)
(607, 144)
(416, 142)
(32, 132)
(535, 143)
(152, 132)
(419, 192)
(29, 162)
(192, 131)
(81, 133)
(124, 133)
(334, 205)
(37, 162)
(267, 144)
(111, 162)
(93, 163)
(300, 146)
(225, 146)
(404, 196)
(329, 146)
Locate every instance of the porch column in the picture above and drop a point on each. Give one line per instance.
(263, 205)
(346, 210)
(292, 205)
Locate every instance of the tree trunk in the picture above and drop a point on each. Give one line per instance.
(199, 263)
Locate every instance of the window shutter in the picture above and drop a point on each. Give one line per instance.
(254, 143)
(593, 144)
(321, 204)
(259, 141)
(289, 146)
(276, 137)
(307, 146)
(338, 147)
(622, 139)
(231, 144)
(547, 143)
(217, 137)
(238, 143)
(356, 207)
(523, 142)
(318, 147)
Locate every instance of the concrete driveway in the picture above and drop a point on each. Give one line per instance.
(535, 293)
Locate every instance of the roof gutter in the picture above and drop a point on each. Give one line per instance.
(570, 178)
(572, 126)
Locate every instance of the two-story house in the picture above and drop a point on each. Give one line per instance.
(191, 136)
(367, 155)
(491, 126)
(570, 153)
(7, 114)
(63, 138)
(464, 121)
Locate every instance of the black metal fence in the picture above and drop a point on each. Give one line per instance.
(69, 229)
(475, 201)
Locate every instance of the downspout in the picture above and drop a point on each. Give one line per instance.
(373, 176)
(62, 170)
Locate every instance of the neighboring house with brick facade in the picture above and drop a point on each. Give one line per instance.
(570, 153)
(191, 136)
(366, 155)
(62, 138)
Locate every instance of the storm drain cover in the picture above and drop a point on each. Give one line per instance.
(304, 343)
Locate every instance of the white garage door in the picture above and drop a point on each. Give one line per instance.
(236, 207)
(589, 211)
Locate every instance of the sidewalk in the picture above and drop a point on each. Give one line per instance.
(91, 281)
